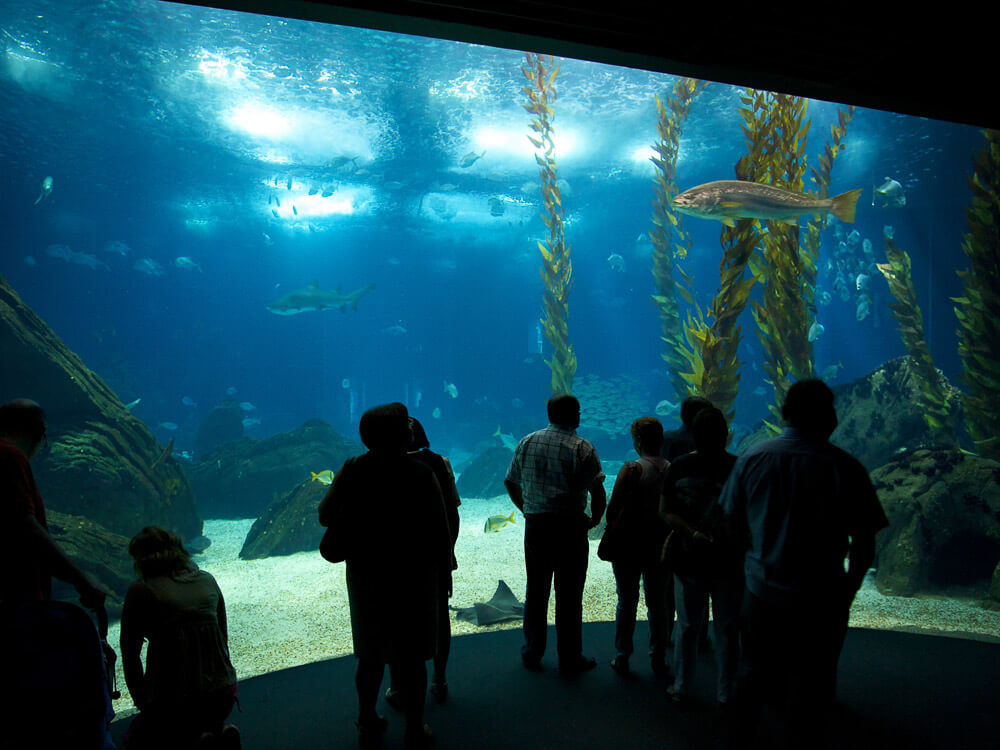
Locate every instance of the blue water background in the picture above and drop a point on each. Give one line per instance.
(128, 106)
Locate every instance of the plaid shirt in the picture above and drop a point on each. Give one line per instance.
(556, 468)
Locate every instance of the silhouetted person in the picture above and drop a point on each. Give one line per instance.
(680, 441)
(188, 686)
(709, 563)
(399, 559)
(805, 505)
(29, 558)
(549, 478)
(640, 533)
(420, 450)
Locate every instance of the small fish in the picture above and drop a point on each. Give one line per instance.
(328, 191)
(277, 202)
(891, 193)
(816, 330)
(132, 404)
(861, 282)
(866, 247)
(495, 523)
(231, 390)
(728, 200)
(267, 239)
(288, 185)
(509, 441)
(616, 262)
(436, 413)
(295, 210)
(46, 190)
(171, 426)
(188, 401)
(313, 190)
(470, 158)
(345, 383)
(824, 297)
(149, 267)
(185, 262)
(451, 389)
(854, 237)
(496, 206)
(666, 408)
(864, 307)
(276, 214)
(888, 232)
(830, 371)
(187, 456)
(396, 330)
(250, 422)
(247, 406)
(324, 477)
(117, 247)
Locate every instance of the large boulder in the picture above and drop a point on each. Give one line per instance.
(289, 525)
(104, 464)
(224, 424)
(240, 479)
(944, 514)
(484, 475)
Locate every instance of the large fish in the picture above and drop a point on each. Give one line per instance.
(312, 298)
(728, 200)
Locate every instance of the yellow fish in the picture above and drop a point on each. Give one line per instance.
(324, 477)
(495, 523)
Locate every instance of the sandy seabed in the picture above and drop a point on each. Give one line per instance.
(292, 610)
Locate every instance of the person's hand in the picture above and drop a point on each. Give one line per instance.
(91, 597)
(700, 536)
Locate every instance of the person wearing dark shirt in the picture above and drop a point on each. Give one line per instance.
(805, 505)
(709, 563)
(639, 534)
(680, 441)
(29, 557)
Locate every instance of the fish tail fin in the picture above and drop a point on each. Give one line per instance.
(844, 205)
(497, 433)
(511, 517)
(315, 476)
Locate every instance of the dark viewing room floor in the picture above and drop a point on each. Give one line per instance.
(896, 690)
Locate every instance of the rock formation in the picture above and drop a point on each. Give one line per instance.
(289, 525)
(240, 479)
(103, 463)
(484, 475)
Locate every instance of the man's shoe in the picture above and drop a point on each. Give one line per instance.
(583, 664)
(532, 665)
(620, 664)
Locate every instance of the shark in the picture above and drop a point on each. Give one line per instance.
(312, 298)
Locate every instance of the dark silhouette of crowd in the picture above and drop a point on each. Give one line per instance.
(761, 538)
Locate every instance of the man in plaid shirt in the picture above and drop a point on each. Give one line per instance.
(549, 478)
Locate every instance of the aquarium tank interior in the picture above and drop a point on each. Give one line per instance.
(227, 235)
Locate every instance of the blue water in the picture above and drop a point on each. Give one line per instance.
(166, 127)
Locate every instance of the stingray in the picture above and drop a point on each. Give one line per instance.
(503, 606)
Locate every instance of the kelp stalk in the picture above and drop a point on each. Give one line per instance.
(931, 397)
(669, 239)
(557, 270)
(978, 310)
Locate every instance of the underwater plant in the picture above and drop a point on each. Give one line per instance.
(669, 239)
(557, 269)
(931, 397)
(978, 310)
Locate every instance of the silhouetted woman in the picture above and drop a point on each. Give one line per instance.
(398, 559)
(188, 686)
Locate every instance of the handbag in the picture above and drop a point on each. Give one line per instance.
(333, 545)
(609, 548)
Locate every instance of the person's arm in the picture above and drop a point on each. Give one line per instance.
(516, 494)
(598, 501)
(679, 524)
(130, 645)
(332, 498)
(58, 562)
(220, 615)
(861, 557)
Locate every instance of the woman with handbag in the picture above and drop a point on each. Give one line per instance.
(632, 543)
(389, 517)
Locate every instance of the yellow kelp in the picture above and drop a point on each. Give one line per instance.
(932, 399)
(978, 310)
(669, 239)
(557, 270)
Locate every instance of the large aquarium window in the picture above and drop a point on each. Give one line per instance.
(227, 235)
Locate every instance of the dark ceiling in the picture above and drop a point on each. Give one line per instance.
(942, 65)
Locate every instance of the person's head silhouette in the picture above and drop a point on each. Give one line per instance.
(564, 410)
(710, 431)
(385, 428)
(809, 408)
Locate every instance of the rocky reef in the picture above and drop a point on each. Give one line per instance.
(101, 554)
(484, 475)
(224, 424)
(103, 464)
(944, 514)
(289, 525)
(240, 479)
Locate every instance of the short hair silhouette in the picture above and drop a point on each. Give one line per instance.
(22, 417)
(809, 407)
(419, 436)
(690, 408)
(385, 427)
(710, 431)
(648, 433)
(563, 408)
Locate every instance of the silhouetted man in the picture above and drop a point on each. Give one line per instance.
(806, 505)
(680, 441)
(28, 555)
(549, 478)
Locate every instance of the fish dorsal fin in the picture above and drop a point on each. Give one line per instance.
(315, 284)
